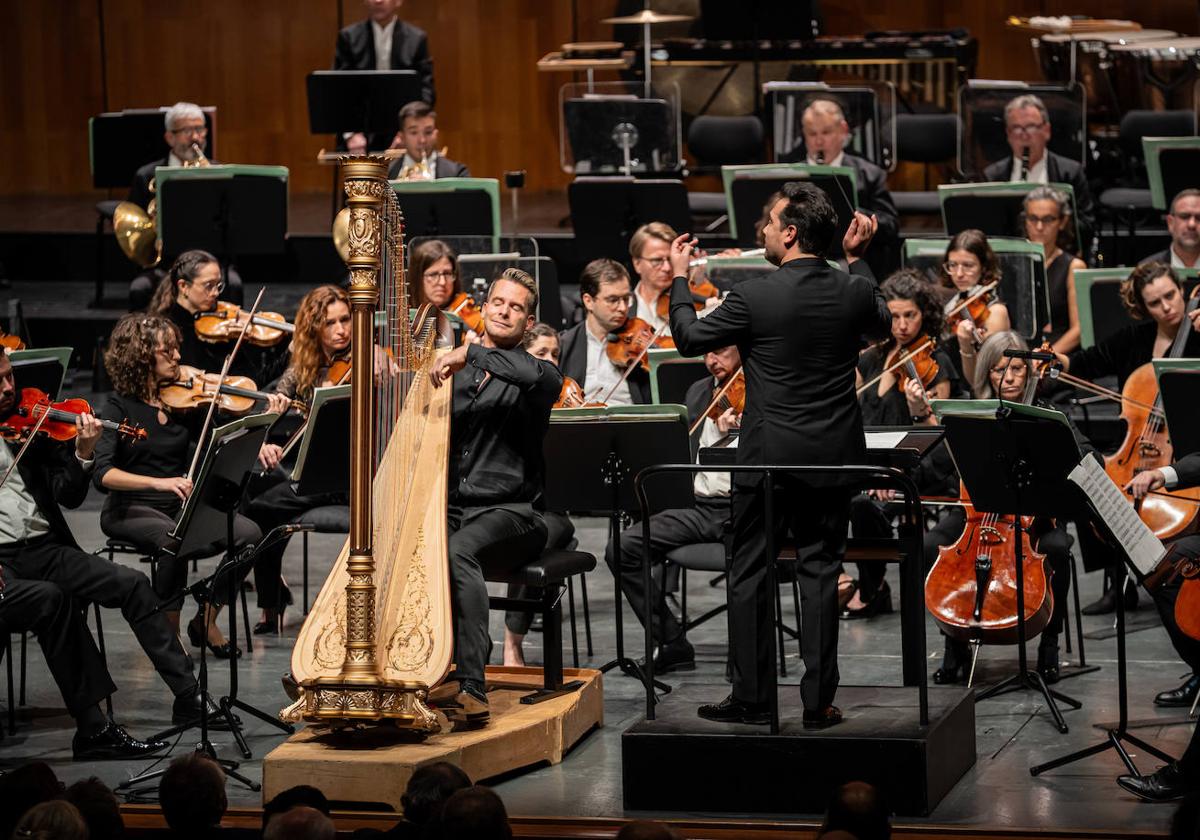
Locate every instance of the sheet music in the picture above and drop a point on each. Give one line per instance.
(1143, 549)
(885, 440)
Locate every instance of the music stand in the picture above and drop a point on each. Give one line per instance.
(671, 375)
(229, 210)
(328, 471)
(367, 101)
(1014, 460)
(450, 207)
(122, 142)
(44, 369)
(606, 211)
(592, 456)
(747, 189)
(1171, 164)
(619, 133)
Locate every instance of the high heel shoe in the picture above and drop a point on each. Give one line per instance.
(881, 602)
(198, 637)
(273, 623)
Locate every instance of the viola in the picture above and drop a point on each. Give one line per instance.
(194, 388)
(701, 288)
(975, 308)
(59, 422)
(225, 323)
(570, 395)
(339, 371)
(630, 343)
(971, 591)
(729, 395)
(916, 362)
(465, 307)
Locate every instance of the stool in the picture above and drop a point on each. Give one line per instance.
(547, 574)
(327, 519)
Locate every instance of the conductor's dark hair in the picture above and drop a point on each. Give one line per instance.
(599, 271)
(429, 788)
(809, 210)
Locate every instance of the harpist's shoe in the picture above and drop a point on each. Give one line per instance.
(1167, 783)
(112, 742)
(731, 710)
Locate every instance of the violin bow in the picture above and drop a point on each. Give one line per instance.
(717, 398)
(912, 372)
(637, 361)
(963, 304)
(24, 446)
(212, 406)
(907, 357)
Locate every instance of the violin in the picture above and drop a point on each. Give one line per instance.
(225, 323)
(730, 395)
(701, 288)
(464, 306)
(629, 344)
(9, 342)
(339, 371)
(235, 395)
(971, 591)
(915, 361)
(570, 395)
(59, 418)
(974, 307)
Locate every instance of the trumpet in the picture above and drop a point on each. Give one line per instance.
(423, 169)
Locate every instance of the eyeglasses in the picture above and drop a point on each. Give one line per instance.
(198, 130)
(960, 267)
(657, 262)
(211, 286)
(1025, 130)
(1042, 220)
(617, 300)
(438, 275)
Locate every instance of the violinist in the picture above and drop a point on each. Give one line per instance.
(605, 292)
(1004, 378)
(1047, 217)
(968, 266)
(322, 338)
(1181, 777)
(649, 248)
(193, 285)
(897, 399)
(147, 481)
(434, 278)
(671, 529)
(541, 342)
(37, 545)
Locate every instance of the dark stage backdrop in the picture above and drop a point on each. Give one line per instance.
(62, 62)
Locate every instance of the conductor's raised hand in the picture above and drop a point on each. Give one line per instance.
(448, 365)
(681, 254)
(858, 235)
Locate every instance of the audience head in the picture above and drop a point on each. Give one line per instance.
(650, 249)
(192, 794)
(859, 809)
(194, 281)
(293, 797)
(433, 273)
(825, 130)
(914, 305)
(802, 221)
(969, 262)
(382, 12)
(647, 830)
(1153, 290)
(511, 308)
(418, 127)
(1047, 217)
(1183, 221)
(541, 341)
(32, 783)
(184, 124)
(53, 820)
(604, 289)
(1027, 126)
(142, 353)
(300, 822)
(996, 374)
(98, 807)
(474, 813)
(429, 788)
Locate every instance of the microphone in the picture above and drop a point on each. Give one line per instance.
(1035, 355)
(1024, 163)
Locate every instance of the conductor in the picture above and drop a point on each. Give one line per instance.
(799, 331)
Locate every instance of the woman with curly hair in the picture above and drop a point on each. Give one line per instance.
(970, 264)
(915, 312)
(146, 481)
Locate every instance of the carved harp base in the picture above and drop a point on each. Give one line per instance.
(337, 703)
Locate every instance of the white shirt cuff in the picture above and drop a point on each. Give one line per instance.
(1170, 477)
(87, 463)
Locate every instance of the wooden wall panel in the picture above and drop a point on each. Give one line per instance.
(50, 83)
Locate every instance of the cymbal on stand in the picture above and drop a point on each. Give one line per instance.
(649, 16)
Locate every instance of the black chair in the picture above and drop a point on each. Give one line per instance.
(929, 139)
(721, 141)
(327, 519)
(546, 579)
(1129, 203)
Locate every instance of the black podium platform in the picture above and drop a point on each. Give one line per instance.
(739, 768)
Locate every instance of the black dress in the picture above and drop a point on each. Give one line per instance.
(1057, 273)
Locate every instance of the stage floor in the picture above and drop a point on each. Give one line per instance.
(1012, 733)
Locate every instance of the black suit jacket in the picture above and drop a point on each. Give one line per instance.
(573, 361)
(410, 51)
(139, 190)
(442, 168)
(874, 197)
(1060, 170)
(1188, 470)
(53, 476)
(1163, 256)
(698, 397)
(799, 330)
